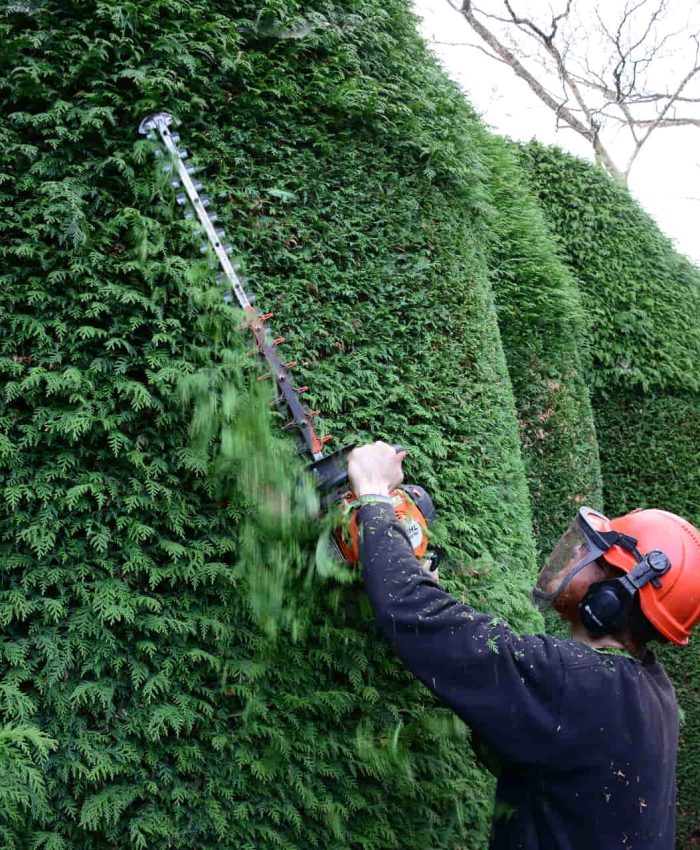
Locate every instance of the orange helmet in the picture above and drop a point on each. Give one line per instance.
(673, 608)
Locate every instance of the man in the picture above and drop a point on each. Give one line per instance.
(586, 729)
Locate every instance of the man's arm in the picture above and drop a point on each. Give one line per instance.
(505, 686)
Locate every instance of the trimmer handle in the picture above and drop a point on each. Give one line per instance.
(414, 507)
(332, 473)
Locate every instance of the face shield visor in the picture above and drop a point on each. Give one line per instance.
(582, 543)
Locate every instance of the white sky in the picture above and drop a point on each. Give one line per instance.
(666, 176)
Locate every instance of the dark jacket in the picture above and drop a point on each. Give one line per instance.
(587, 740)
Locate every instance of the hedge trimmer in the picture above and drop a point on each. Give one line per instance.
(412, 504)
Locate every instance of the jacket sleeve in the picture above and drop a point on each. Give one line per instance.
(507, 687)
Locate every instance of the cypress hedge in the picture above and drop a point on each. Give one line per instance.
(642, 306)
(146, 698)
(541, 324)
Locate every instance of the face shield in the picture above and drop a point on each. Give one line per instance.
(582, 543)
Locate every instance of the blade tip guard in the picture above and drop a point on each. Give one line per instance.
(150, 122)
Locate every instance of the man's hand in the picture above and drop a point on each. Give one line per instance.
(375, 468)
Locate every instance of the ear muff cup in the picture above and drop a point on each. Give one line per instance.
(605, 607)
(607, 604)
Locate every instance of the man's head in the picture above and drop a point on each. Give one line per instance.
(640, 572)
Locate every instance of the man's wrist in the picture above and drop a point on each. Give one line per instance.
(372, 490)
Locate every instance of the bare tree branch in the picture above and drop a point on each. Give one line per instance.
(473, 46)
(670, 122)
(615, 90)
(558, 106)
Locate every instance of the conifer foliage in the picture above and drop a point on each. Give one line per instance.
(542, 328)
(143, 701)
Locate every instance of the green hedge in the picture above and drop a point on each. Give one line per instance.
(541, 323)
(349, 175)
(642, 306)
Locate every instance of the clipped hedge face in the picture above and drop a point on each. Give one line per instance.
(642, 301)
(345, 169)
(540, 320)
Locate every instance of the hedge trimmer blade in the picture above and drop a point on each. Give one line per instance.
(330, 470)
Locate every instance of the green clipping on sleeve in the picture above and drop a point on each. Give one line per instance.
(370, 498)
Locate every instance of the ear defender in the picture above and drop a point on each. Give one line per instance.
(607, 604)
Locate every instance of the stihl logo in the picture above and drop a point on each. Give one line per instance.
(414, 531)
